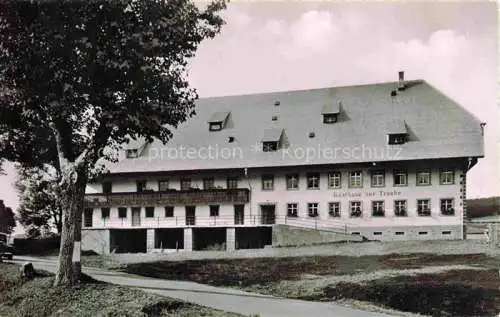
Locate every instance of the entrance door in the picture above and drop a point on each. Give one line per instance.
(190, 215)
(239, 214)
(268, 214)
(136, 216)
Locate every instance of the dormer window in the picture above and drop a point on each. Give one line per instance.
(397, 138)
(271, 140)
(269, 146)
(329, 118)
(397, 132)
(218, 121)
(134, 147)
(215, 126)
(330, 112)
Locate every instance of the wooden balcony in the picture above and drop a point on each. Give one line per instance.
(188, 197)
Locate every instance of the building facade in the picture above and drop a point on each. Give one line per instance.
(384, 161)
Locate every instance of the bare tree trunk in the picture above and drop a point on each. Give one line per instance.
(65, 270)
(77, 250)
(69, 270)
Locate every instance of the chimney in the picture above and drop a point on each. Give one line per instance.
(401, 83)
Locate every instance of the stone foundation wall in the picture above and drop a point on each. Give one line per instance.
(284, 235)
(96, 240)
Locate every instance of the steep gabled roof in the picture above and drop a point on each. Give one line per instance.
(439, 128)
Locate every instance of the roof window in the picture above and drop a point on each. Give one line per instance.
(218, 121)
(271, 140)
(397, 132)
(330, 112)
(134, 147)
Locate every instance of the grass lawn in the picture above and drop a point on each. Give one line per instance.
(92, 259)
(452, 293)
(37, 297)
(471, 291)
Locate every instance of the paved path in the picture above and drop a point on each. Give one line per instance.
(216, 297)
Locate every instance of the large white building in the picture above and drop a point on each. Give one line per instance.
(384, 161)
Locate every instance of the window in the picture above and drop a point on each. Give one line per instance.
(334, 209)
(447, 177)
(150, 212)
(269, 146)
(422, 233)
(447, 207)
(378, 178)
(399, 233)
(330, 118)
(423, 178)
(185, 183)
(292, 210)
(169, 211)
(292, 181)
(105, 213)
(232, 182)
(217, 121)
(122, 212)
(163, 185)
(334, 180)
(87, 217)
(239, 214)
(268, 182)
(107, 187)
(355, 179)
(400, 178)
(140, 186)
(355, 208)
(208, 183)
(423, 207)
(214, 210)
(215, 126)
(397, 138)
(312, 180)
(312, 209)
(400, 209)
(378, 209)
(131, 153)
(446, 232)
(377, 233)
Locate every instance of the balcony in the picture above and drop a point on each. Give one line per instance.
(178, 222)
(173, 197)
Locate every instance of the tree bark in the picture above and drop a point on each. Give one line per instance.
(77, 250)
(65, 270)
(57, 215)
(69, 269)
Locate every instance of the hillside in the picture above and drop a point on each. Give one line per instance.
(482, 207)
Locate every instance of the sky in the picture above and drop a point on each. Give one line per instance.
(275, 46)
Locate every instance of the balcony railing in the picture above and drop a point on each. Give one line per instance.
(187, 197)
(221, 221)
(173, 222)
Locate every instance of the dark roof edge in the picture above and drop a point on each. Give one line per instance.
(288, 166)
